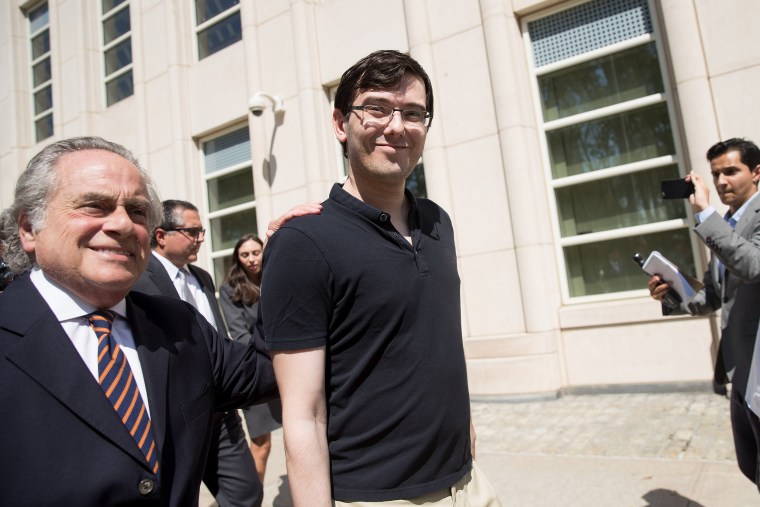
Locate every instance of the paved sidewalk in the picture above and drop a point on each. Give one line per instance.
(626, 450)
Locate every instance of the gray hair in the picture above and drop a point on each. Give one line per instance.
(36, 186)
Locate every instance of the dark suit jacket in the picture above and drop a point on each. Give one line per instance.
(63, 443)
(738, 295)
(156, 282)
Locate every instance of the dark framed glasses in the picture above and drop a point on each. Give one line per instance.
(193, 232)
(382, 114)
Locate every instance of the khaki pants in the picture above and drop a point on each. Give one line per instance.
(472, 490)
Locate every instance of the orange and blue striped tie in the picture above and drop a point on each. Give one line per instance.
(118, 383)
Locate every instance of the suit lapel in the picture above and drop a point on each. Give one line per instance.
(744, 228)
(45, 353)
(161, 279)
(154, 360)
(208, 289)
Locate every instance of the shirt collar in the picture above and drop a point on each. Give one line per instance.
(64, 304)
(738, 215)
(170, 268)
(371, 213)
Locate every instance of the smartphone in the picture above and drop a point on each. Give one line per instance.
(676, 189)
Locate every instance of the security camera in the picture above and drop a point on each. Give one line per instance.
(259, 102)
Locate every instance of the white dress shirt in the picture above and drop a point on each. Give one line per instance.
(72, 313)
(178, 279)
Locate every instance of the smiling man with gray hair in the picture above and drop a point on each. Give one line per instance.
(107, 396)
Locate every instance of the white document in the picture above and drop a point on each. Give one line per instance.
(686, 286)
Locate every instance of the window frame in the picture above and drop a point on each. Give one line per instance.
(33, 62)
(105, 47)
(552, 183)
(209, 215)
(198, 28)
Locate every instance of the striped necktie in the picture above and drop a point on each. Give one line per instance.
(119, 386)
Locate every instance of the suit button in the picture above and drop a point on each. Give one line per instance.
(146, 487)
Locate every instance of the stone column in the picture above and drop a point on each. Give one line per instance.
(313, 118)
(523, 167)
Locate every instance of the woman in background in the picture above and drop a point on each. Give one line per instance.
(240, 300)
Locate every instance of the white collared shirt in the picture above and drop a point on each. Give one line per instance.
(202, 303)
(71, 312)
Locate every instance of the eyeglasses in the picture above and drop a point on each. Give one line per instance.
(193, 232)
(411, 117)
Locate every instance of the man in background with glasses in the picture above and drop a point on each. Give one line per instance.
(230, 473)
(360, 309)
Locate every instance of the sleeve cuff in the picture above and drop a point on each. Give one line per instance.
(704, 214)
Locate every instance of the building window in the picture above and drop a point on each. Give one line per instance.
(231, 198)
(609, 141)
(217, 25)
(42, 84)
(117, 50)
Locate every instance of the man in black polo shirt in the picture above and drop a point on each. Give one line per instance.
(360, 308)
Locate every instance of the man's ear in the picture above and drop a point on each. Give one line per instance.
(339, 125)
(160, 236)
(756, 173)
(26, 234)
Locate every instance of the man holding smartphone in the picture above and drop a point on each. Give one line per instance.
(732, 280)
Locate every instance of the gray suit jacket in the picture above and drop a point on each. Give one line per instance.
(241, 318)
(156, 282)
(738, 294)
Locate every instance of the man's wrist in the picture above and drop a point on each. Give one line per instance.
(703, 215)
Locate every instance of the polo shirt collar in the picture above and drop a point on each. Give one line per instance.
(371, 213)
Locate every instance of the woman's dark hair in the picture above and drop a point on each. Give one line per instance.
(244, 289)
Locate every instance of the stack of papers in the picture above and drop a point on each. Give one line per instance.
(684, 285)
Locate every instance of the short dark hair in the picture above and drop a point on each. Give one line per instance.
(749, 153)
(381, 70)
(172, 216)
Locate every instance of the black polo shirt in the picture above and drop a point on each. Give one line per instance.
(388, 314)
